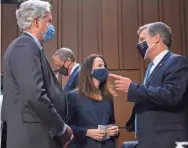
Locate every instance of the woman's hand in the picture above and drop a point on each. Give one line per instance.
(96, 134)
(113, 131)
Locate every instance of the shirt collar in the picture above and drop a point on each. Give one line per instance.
(35, 39)
(74, 67)
(159, 57)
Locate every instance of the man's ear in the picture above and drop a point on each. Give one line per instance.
(36, 23)
(68, 61)
(157, 38)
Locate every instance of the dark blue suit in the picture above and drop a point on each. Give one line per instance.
(162, 104)
(73, 80)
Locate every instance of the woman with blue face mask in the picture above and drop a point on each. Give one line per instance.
(91, 109)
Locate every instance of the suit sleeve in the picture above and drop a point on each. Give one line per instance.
(79, 132)
(76, 80)
(26, 69)
(130, 124)
(170, 93)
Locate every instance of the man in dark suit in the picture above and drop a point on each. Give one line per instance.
(66, 64)
(34, 107)
(161, 108)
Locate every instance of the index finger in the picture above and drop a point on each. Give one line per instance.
(115, 76)
(102, 131)
(112, 127)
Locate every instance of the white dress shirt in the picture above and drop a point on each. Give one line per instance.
(157, 59)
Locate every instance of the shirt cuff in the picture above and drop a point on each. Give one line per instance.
(63, 131)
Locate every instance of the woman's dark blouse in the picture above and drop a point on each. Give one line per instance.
(86, 113)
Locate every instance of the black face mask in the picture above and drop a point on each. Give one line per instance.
(63, 71)
(142, 48)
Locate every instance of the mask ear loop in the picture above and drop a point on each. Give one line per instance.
(149, 48)
(47, 26)
(46, 30)
(68, 65)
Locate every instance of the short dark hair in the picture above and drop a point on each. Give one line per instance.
(85, 83)
(158, 28)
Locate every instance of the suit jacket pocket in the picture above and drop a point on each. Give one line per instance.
(29, 116)
(173, 126)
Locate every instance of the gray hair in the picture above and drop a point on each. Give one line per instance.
(64, 54)
(158, 28)
(29, 10)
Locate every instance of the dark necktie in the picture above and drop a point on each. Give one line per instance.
(42, 50)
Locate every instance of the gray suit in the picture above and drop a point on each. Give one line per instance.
(34, 105)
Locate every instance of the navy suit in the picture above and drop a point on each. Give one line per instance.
(161, 104)
(73, 80)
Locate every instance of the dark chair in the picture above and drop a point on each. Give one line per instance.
(130, 144)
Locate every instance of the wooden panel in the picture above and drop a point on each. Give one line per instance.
(51, 46)
(150, 11)
(183, 27)
(120, 40)
(172, 18)
(59, 23)
(70, 25)
(110, 33)
(186, 25)
(123, 108)
(140, 23)
(90, 27)
(129, 36)
(9, 25)
(161, 10)
(0, 40)
(80, 30)
(150, 14)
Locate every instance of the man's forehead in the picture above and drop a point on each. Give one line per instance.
(57, 58)
(144, 33)
(48, 16)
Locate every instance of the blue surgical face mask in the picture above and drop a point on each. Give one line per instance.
(100, 74)
(50, 33)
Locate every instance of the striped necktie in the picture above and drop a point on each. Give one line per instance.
(148, 72)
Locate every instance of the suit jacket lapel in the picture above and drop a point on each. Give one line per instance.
(71, 78)
(158, 67)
